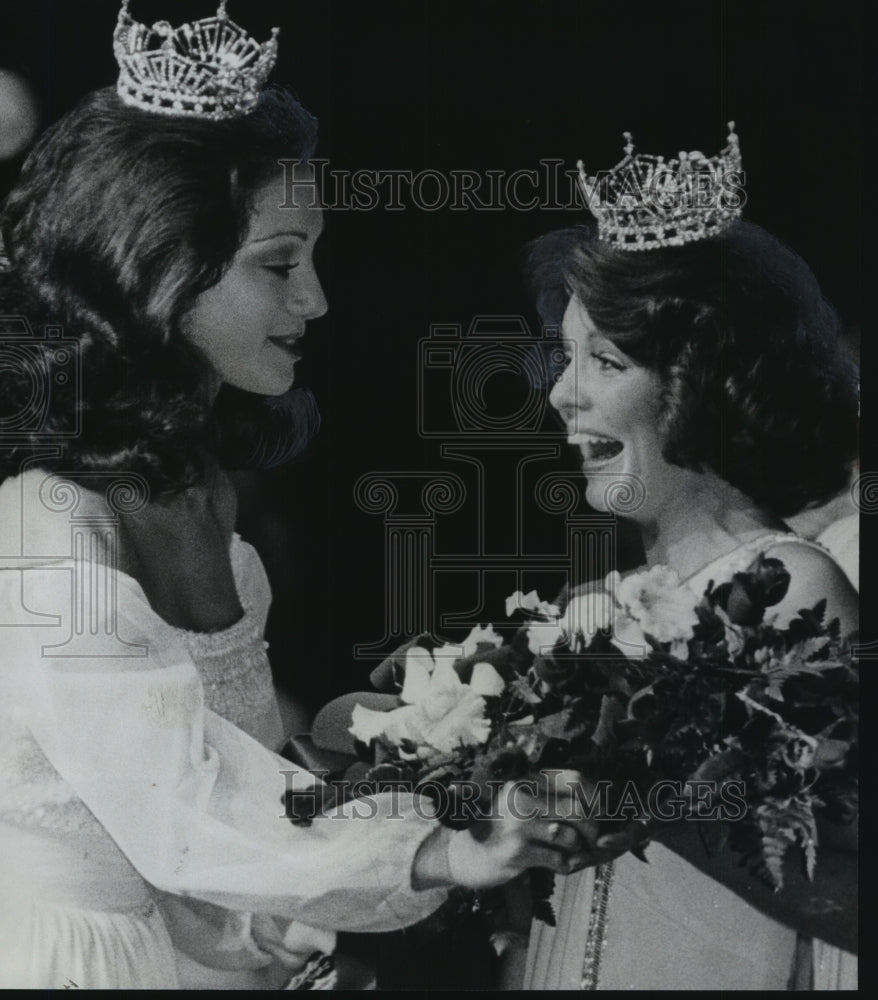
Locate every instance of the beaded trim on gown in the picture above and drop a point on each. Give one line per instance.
(118, 783)
(666, 925)
(236, 675)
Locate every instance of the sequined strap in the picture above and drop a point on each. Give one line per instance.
(597, 926)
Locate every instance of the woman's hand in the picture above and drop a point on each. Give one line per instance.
(543, 830)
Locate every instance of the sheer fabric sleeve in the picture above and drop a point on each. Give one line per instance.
(193, 802)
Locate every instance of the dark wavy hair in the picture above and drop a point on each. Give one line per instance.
(119, 221)
(756, 383)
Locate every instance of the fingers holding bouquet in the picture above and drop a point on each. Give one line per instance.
(538, 823)
(572, 798)
(520, 832)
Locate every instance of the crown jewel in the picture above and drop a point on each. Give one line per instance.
(208, 69)
(647, 201)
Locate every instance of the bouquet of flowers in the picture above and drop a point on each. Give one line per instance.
(672, 705)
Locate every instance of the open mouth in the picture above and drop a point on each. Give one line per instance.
(597, 448)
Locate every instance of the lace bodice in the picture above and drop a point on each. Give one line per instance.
(233, 663)
(33, 793)
(235, 672)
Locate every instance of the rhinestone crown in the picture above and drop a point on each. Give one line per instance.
(647, 201)
(208, 69)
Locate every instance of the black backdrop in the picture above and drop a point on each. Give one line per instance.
(484, 85)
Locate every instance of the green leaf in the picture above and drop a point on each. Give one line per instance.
(557, 725)
(522, 688)
(611, 713)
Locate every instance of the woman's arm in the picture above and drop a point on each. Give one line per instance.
(196, 805)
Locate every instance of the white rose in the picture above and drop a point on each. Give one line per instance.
(587, 614)
(542, 637)
(478, 635)
(441, 711)
(628, 637)
(530, 602)
(486, 681)
(659, 604)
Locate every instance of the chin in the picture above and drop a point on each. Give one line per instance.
(269, 385)
(278, 388)
(622, 493)
(595, 492)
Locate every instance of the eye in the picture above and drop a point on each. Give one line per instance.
(609, 362)
(282, 270)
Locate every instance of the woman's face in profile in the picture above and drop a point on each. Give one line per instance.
(611, 406)
(250, 323)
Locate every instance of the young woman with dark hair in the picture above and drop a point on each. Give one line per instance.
(713, 372)
(119, 221)
(172, 254)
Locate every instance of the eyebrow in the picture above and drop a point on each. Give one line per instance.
(300, 233)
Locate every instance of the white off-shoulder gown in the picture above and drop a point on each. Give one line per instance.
(118, 781)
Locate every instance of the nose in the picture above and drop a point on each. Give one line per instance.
(571, 396)
(309, 299)
(567, 394)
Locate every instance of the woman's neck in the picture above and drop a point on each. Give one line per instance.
(707, 520)
(213, 386)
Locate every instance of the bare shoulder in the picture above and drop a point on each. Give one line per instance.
(815, 575)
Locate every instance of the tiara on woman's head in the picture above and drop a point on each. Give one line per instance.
(646, 201)
(208, 69)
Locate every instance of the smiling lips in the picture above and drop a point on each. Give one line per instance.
(596, 448)
(288, 344)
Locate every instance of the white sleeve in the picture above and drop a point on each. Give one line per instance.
(193, 802)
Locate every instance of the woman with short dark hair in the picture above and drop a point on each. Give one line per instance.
(709, 376)
(755, 384)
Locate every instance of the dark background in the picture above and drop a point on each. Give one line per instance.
(482, 85)
(487, 85)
